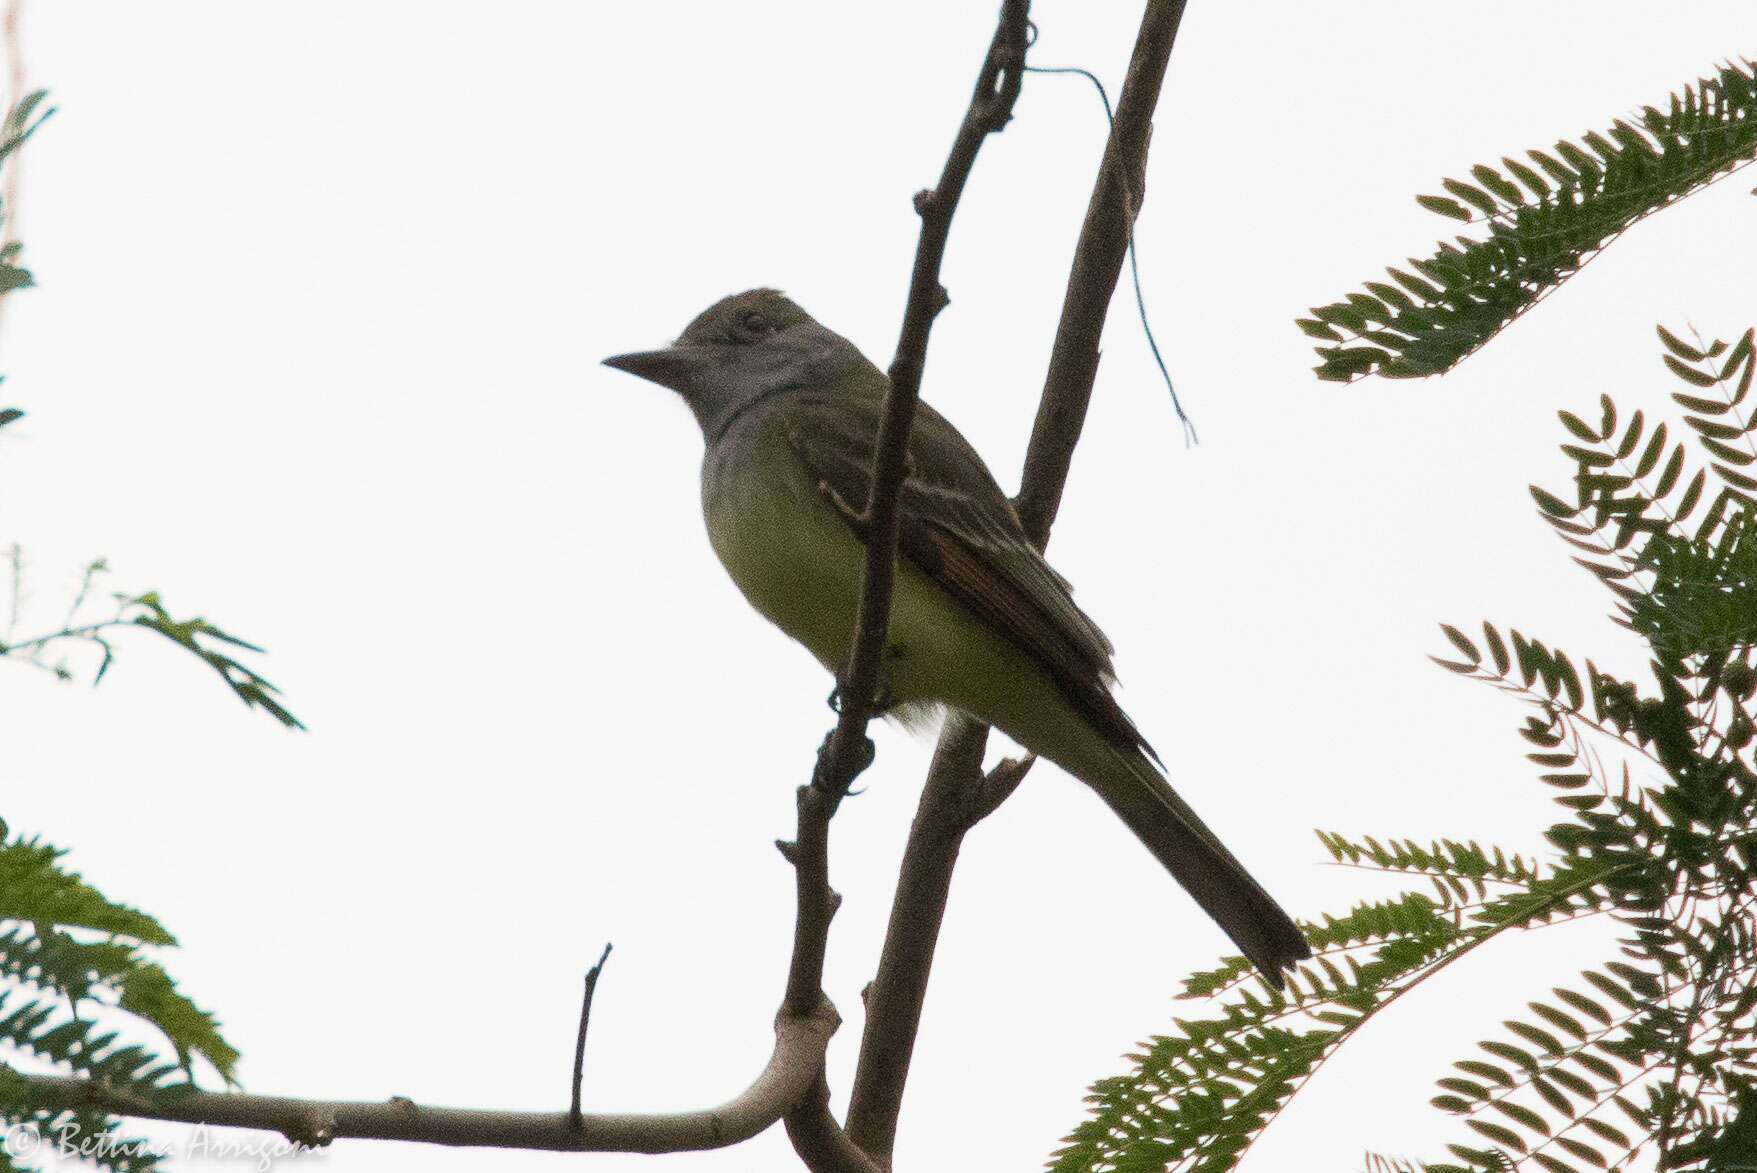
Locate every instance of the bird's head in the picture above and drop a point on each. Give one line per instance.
(742, 348)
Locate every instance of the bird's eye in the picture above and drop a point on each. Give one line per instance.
(753, 324)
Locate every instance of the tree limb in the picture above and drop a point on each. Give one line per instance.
(956, 794)
(820, 1141)
(793, 1068)
(991, 107)
(846, 751)
(894, 1000)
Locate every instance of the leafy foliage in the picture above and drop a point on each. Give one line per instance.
(148, 612)
(74, 961)
(1544, 219)
(80, 627)
(76, 970)
(1652, 1053)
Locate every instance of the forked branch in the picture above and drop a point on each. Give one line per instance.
(957, 794)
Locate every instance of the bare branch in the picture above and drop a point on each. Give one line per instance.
(847, 751)
(998, 786)
(579, 1048)
(815, 901)
(895, 998)
(956, 795)
(991, 106)
(793, 1068)
(1098, 263)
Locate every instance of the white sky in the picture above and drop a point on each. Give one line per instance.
(323, 289)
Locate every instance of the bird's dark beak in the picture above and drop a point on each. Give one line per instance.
(676, 367)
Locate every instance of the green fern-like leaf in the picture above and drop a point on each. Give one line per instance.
(1543, 218)
(76, 974)
(34, 888)
(190, 634)
(47, 915)
(1652, 1055)
(20, 123)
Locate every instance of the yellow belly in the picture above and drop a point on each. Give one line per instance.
(797, 560)
(783, 543)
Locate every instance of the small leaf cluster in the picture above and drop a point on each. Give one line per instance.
(20, 123)
(249, 686)
(1200, 1095)
(73, 963)
(1543, 218)
(79, 628)
(196, 636)
(1651, 1053)
(1683, 578)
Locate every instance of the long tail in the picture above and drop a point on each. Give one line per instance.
(1166, 826)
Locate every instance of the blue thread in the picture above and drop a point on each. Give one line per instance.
(1134, 265)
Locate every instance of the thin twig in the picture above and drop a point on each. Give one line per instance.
(991, 106)
(956, 793)
(847, 751)
(579, 1046)
(815, 901)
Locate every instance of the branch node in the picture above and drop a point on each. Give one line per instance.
(822, 1016)
(789, 850)
(827, 777)
(997, 786)
(312, 1130)
(923, 201)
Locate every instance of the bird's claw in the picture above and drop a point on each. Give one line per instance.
(881, 700)
(820, 776)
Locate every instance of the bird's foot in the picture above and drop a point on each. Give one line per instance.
(882, 700)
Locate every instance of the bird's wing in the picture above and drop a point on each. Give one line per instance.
(957, 527)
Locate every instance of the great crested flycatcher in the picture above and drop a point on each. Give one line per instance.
(979, 621)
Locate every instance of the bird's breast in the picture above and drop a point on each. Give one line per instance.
(780, 538)
(795, 557)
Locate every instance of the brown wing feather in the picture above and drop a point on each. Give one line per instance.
(957, 527)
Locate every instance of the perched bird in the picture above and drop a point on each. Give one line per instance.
(979, 621)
